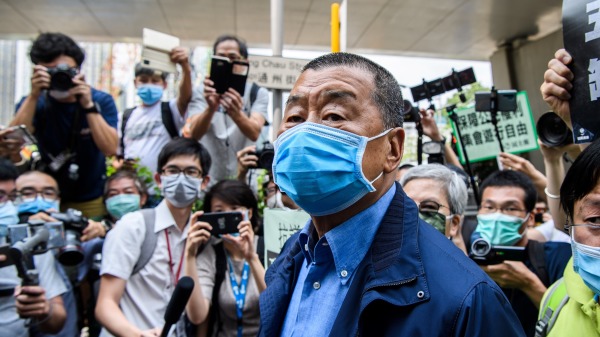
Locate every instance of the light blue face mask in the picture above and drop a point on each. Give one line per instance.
(500, 229)
(122, 204)
(8, 217)
(150, 93)
(320, 168)
(37, 205)
(586, 263)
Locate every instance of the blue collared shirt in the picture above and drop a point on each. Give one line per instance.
(328, 269)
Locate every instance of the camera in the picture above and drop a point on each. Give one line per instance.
(265, 156)
(74, 222)
(553, 131)
(61, 77)
(506, 100)
(483, 253)
(410, 112)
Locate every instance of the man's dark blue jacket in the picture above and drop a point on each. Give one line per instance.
(412, 282)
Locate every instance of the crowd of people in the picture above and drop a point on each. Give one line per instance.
(389, 249)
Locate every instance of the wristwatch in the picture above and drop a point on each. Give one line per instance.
(93, 110)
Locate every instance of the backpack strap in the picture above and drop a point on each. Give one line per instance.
(253, 93)
(214, 319)
(537, 256)
(555, 300)
(150, 239)
(167, 119)
(126, 115)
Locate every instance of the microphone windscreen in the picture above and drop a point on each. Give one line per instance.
(180, 297)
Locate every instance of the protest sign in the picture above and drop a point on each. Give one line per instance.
(279, 225)
(581, 35)
(516, 128)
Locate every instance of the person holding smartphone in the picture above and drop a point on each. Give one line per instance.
(226, 123)
(233, 276)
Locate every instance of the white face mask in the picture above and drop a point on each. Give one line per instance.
(180, 190)
(58, 94)
(274, 201)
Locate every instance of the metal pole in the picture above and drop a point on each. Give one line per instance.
(277, 46)
(343, 25)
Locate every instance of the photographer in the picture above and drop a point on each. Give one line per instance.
(431, 130)
(227, 123)
(42, 304)
(506, 211)
(74, 123)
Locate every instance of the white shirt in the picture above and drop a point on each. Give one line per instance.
(148, 292)
(551, 233)
(145, 133)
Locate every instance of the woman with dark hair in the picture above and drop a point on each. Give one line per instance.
(570, 306)
(233, 275)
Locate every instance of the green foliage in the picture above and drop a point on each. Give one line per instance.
(469, 93)
(113, 165)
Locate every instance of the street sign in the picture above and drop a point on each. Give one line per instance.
(275, 72)
(516, 128)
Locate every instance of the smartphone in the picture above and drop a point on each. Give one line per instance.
(222, 222)
(4, 250)
(20, 132)
(239, 75)
(226, 74)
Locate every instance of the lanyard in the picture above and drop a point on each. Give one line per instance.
(239, 291)
(174, 277)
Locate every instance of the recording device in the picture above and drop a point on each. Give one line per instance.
(61, 77)
(553, 131)
(20, 132)
(222, 222)
(456, 80)
(483, 253)
(74, 222)
(505, 100)
(265, 156)
(25, 231)
(181, 295)
(156, 50)
(227, 74)
(435, 150)
(410, 112)
(22, 253)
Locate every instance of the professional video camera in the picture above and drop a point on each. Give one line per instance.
(410, 112)
(265, 156)
(74, 222)
(553, 131)
(483, 253)
(61, 77)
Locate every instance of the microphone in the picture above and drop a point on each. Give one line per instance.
(180, 297)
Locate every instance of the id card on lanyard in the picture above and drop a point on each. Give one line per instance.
(239, 292)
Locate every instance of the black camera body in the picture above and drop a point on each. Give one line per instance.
(410, 112)
(74, 222)
(265, 156)
(484, 254)
(61, 77)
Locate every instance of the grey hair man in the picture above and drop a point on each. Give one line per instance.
(441, 196)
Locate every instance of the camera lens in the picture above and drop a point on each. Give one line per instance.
(61, 80)
(552, 130)
(72, 253)
(410, 113)
(480, 247)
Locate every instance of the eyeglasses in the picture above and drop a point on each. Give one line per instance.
(586, 233)
(430, 206)
(4, 197)
(189, 171)
(510, 210)
(48, 193)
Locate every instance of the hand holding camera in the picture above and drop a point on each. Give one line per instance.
(40, 80)
(557, 84)
(31, 302)
(244, 243)
(82, 91)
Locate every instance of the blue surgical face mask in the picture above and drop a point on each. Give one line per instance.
(37, 205)
(586, 263)
(150, 93)
(500, 229)
(122, 204)
(320, 168)
(8, 217)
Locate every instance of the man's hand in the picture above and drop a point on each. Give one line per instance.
(247, 159)
(94, 229)
(83, 91)
(179, 55)
(245, 242)
(151, 333)
(430, 128)
(513, 162)
(10, 147)
(233, 102)
(40, 80)
(510, 274)
(31, 302)
(44, 216)
(210, 95)
(198, 235)
(557, 84)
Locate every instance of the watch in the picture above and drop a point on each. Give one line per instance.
(94, 109)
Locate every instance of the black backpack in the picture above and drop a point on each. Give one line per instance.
(167, 119)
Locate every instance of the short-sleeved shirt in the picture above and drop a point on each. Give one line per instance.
(224, 138)
(557, 255)
(10, 322)
(56, 130)
(147, 292)
(146, 134)
(227, 304)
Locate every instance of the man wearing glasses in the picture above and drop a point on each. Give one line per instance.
(133, 299)
(507, 202)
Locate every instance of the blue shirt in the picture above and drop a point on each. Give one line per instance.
(54, 128)
(328, 269)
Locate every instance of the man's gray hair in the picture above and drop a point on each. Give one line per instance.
(386, 93)
(456, 189)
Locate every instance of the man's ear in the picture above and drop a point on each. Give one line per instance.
(529, 222)
(394, 156)
(205, 182)
(157, 180)
(454, 226)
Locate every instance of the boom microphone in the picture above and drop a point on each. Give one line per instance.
(179, 299)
